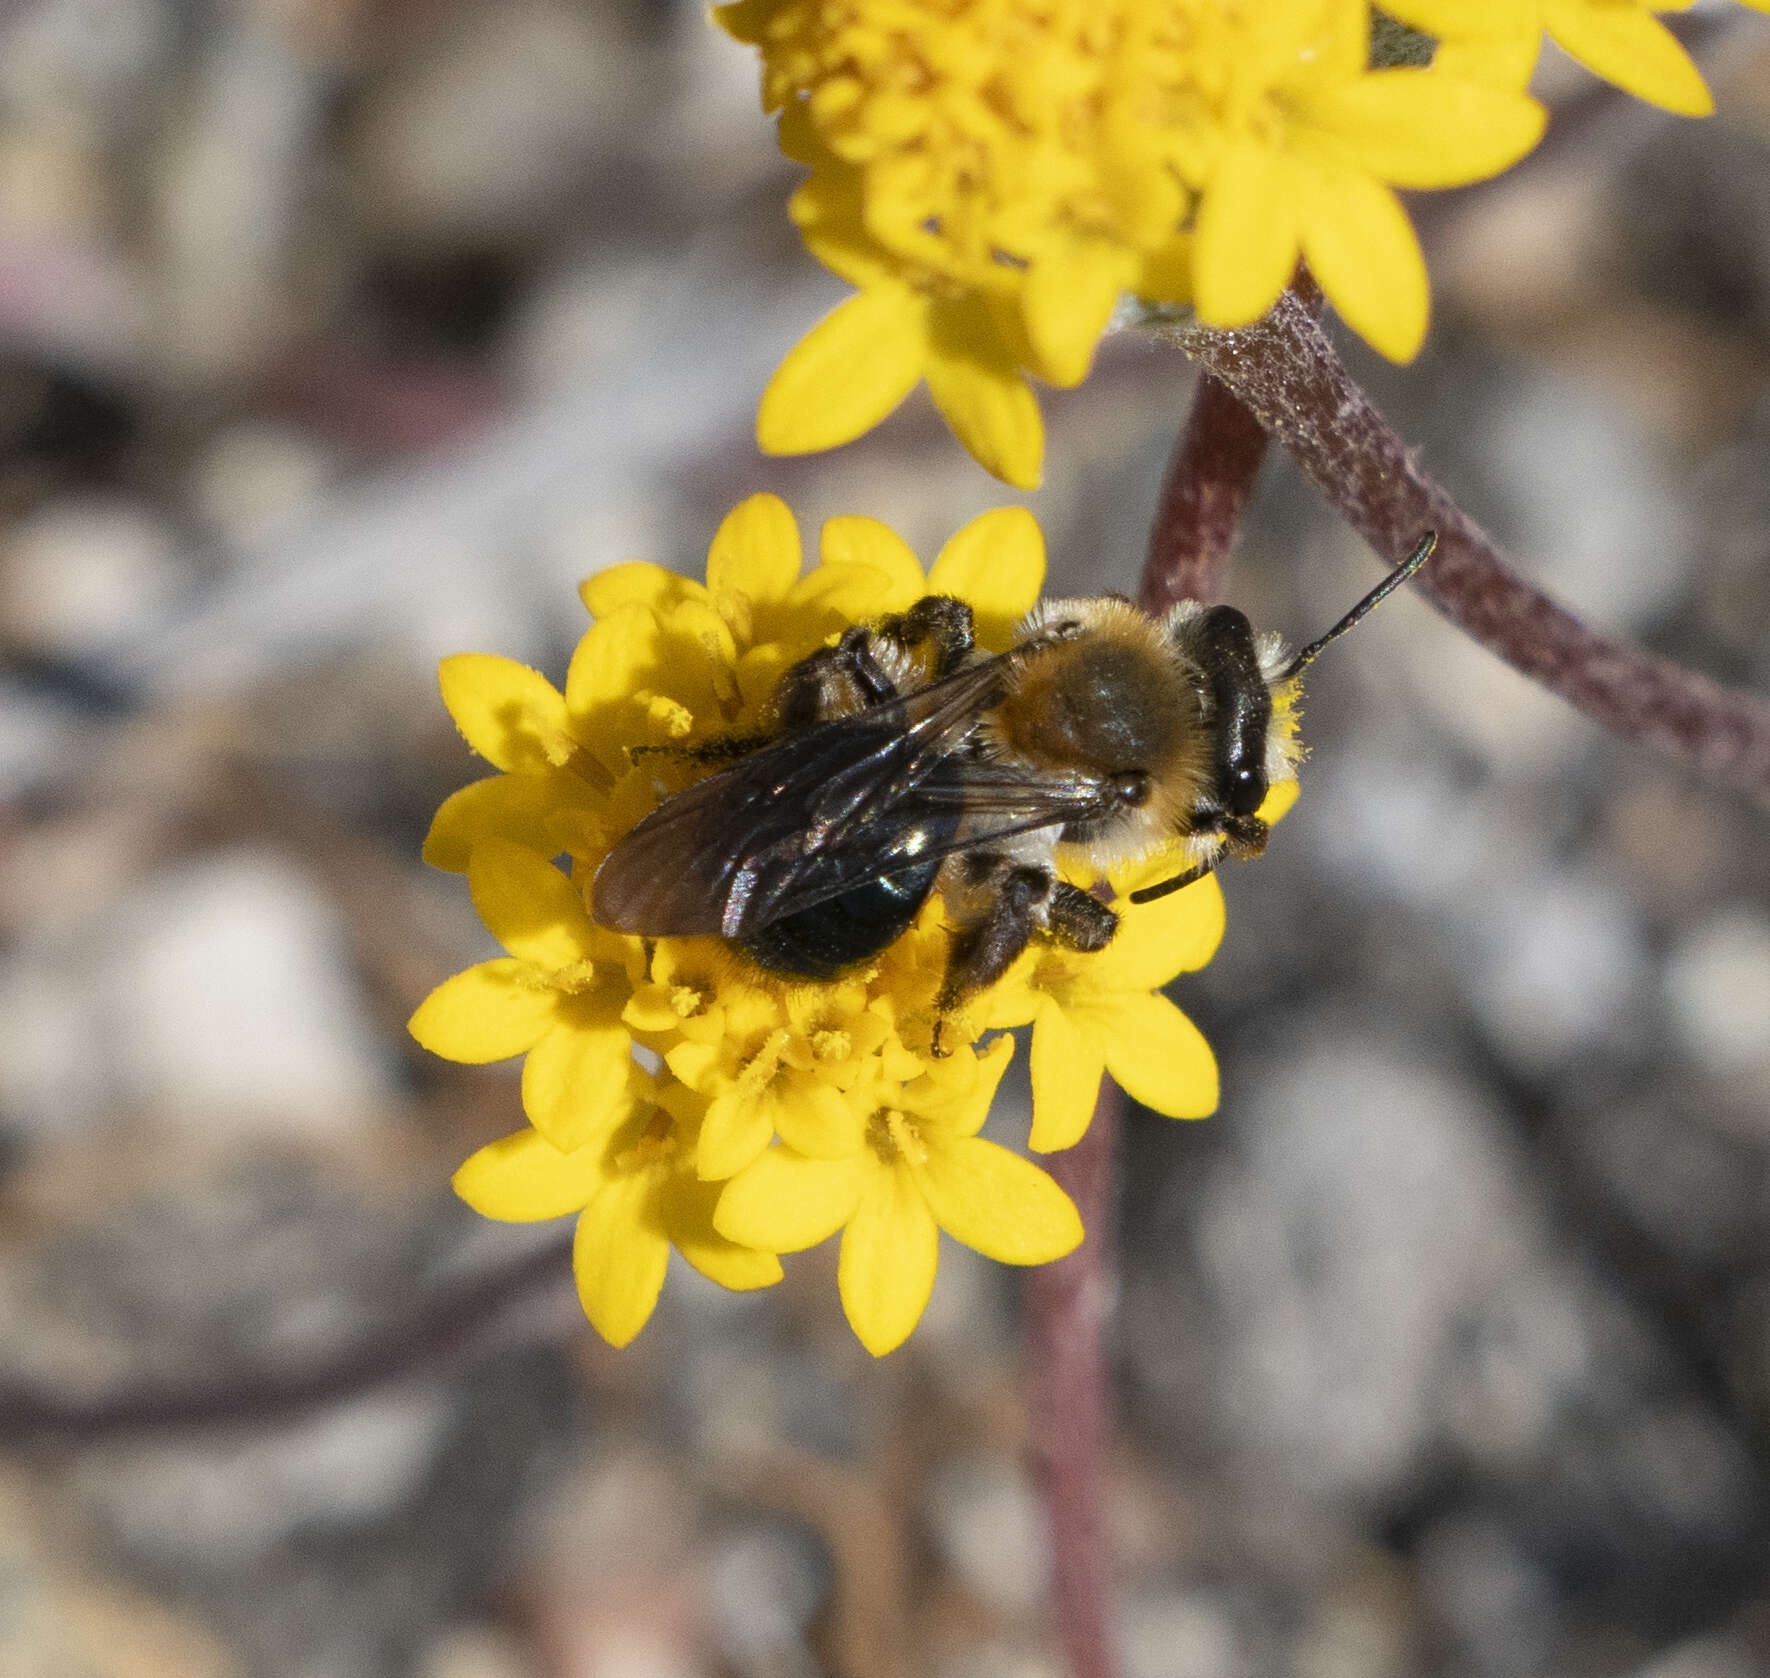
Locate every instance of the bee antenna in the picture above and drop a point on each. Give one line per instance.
(1149, 894)
(1366, 606)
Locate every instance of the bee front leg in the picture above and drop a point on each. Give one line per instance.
(984, 949)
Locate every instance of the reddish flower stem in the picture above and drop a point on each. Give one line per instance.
(1067, 1305)
(1210, 477)
(1208, 482)
(1286, 372)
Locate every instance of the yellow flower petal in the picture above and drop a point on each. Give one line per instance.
(1279, 799)
(490, 1012)
(1155, 941)
(1066, 301)
(620, 1254)
(1066, 1065)
(576, 1083)
(637, 582)
(886, 1271)
(524, 1179)
(1362, 249)
(954, 1094)
(529, 906)
(982, 396)
(1456, 18)
(1166, 273)
(756, 550)
(1157, 1056)
(688, 1220)
(996, 564)
(523, 809)
(835, 594)
(820, 1121)
(1506, 61)
(1625, 44)
(1422, 128)
(738, 1127)
(1245, 247)
(638, 679)
(784, 1202)
(511, 715)
(996, 1202)
(846, 374)
(854, 541)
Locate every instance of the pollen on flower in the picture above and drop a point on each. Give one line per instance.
(831, 1045)
(653, 1146)
(893, 1138)
(682, 1098)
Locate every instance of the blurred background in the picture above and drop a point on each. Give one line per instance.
(338, 335)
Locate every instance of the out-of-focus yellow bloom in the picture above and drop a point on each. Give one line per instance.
(789, 1089)
(1621, 40)
(993, 174)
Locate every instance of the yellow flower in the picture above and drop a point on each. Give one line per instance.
(1620, 40)
(993, 175)
(752, 1074)
(556, 998)
(1304, 162)
(636, 1195)
(918, 1167)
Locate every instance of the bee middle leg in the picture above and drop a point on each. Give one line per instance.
(984, 948)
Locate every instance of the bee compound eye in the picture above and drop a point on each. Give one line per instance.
(1246, 791)
(1132, 787)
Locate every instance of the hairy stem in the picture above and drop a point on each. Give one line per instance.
(1067, 1305)
(1286, 372)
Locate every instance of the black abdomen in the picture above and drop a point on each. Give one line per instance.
(824, 940)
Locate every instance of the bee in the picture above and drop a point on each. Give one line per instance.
(902, 760)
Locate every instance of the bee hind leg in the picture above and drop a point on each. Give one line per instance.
(940, 623)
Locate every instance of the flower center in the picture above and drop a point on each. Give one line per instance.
(831, 1045)
(571, 981)
(656, 1145)
(892, 1136)
(764, 1064)
(686, 1001)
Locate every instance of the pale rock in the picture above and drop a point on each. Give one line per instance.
(51, 1082)
(475, 1652)
(86, 570)
(481, 138)
(764, 1583)
(1556, 960)
(1702, 1657)
(222, 1500)
(1171, 1632)
(989, 1523)
(59, 1619)
(226, 990)
(1387, 1276)
(1717, 987)
(256, 480)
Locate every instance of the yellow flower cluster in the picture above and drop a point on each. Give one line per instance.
(678, 1096)
(992, 175)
